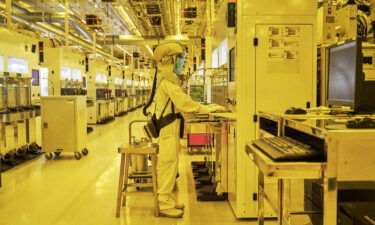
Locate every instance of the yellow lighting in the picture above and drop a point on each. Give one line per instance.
(118, 46)
(23, 4)
(62, 6)
(127, 19)
(177, 37)
(133, 27)
(150, 50)
(130, 37)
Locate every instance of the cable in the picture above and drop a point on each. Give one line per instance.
(151, 99)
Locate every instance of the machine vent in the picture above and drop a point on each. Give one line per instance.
(93, 20)
(330, 19)
(190, 12)
(155, 20)
(153, 9)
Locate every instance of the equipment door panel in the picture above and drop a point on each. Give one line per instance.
(284, 67)
(232, 166)
(58, 125)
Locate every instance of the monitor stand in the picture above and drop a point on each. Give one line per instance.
(340, 110)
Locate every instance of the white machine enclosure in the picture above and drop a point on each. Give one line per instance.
(335, 24)
(346, 22)
(275, 68)
(91, 113)
(326, 24)
(64, 123)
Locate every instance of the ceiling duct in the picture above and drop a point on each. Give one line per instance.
(113, 2)
(149, 40)
(28, 18)
(56, 18)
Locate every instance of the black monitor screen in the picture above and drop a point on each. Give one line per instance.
(35, 77)
(342, 74)
(232, 66)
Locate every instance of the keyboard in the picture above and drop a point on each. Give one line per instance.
(282, 149)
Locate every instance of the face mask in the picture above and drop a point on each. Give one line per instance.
(179, 63)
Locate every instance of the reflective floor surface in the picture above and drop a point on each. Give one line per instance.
(66, 191)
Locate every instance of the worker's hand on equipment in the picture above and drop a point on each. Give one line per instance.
(216, 108)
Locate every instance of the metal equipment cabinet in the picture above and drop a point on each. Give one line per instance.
(64, 125)
(275, 68)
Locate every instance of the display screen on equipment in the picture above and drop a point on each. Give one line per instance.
(200, 140)
(35, 77)
(342, 72)
(232, 65)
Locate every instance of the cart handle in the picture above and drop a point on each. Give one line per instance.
(130, 127)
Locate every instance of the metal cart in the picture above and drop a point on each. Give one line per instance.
(64, 125)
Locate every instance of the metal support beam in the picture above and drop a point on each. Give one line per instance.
(34, 17)
(208, 14)
(66, 23)
(8, 6)
(132, 66)
(124, 58)
(112, 54)
(94, 45)
(138, 59)
(150, 40)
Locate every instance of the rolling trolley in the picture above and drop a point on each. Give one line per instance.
(64, 127)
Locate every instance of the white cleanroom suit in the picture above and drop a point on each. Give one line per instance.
(168, 87)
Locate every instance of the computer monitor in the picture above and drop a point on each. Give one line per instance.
(344, 71)
(346, 83)
(35, 77)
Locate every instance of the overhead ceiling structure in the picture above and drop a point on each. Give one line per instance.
(109, 21)
(170, 17)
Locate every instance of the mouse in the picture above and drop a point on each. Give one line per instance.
(295, 111)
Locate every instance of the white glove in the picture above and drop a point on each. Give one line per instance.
(216, 108)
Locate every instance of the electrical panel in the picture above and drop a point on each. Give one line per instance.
(326, 24)
(346, 22)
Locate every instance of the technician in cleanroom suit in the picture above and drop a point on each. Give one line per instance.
(170, 58)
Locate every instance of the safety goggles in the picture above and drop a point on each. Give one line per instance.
(179, 63)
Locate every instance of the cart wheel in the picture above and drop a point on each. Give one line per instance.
(85, 151)
(77, 155)
(49, 155)
(57, 153)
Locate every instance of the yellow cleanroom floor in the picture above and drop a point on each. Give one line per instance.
(78, 192)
